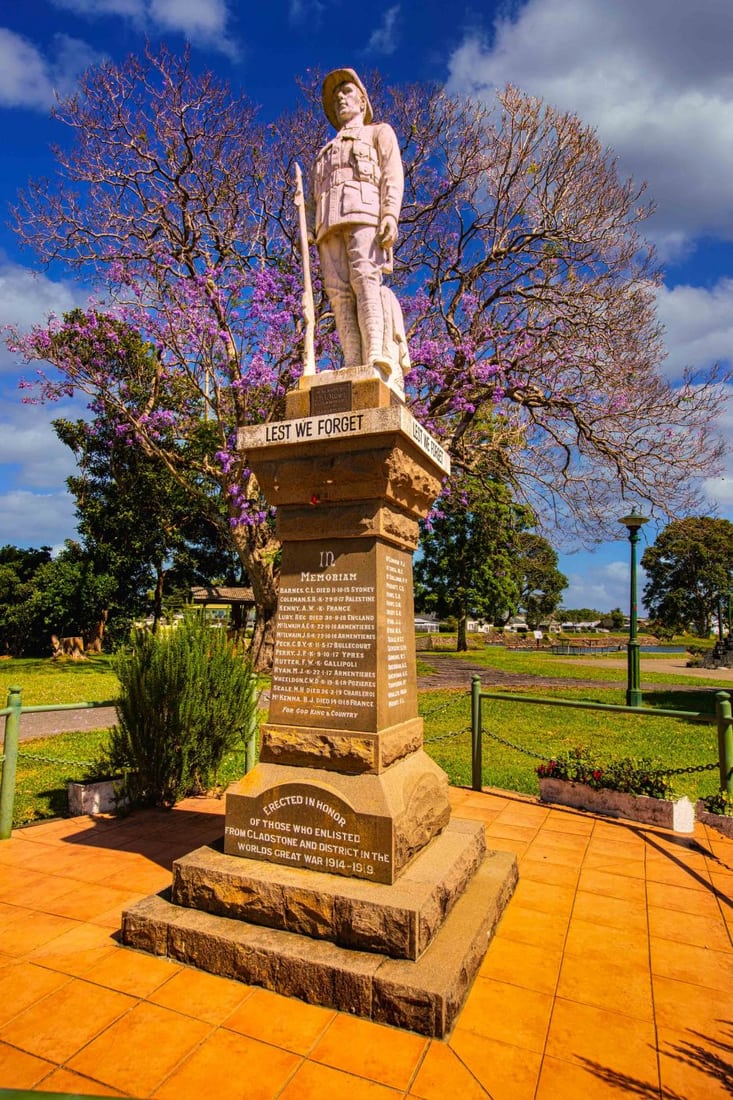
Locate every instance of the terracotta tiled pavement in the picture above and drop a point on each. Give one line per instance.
(611, 974)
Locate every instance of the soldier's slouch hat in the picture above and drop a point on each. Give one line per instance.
(331, 82)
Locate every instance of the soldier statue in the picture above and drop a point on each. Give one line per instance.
(357, 194)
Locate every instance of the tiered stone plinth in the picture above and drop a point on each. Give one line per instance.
(404, 954)
(342, 878)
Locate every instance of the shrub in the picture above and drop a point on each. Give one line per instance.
(720, 803)
(186, 699)
(626, 774)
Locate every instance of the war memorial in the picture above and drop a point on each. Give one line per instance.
(342, 878)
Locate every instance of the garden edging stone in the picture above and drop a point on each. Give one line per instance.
(101, 796)
(722, 822)
(678, 815)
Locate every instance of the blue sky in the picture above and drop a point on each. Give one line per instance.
(655, 78)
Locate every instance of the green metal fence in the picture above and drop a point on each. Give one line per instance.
(9, 758)
(722, 718)
(12, 714)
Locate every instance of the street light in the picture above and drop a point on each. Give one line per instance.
(632, 523)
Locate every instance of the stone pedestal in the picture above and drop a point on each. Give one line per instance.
(339, 843)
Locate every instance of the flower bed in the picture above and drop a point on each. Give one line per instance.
(678, 815)
(100, 796)
(717, 810)
(634, 789)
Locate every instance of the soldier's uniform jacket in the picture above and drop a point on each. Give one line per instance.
(357, 179)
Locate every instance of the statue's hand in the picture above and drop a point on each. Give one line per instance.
(387, 235)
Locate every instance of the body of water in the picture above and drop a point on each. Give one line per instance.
(671, 649)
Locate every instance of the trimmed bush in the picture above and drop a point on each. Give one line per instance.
(187, 698)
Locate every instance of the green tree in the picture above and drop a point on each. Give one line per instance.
(71, 596)
(469, 547)
(688, 571)
(68, 595)
(580, 614)
(18, 569)
(540, 581)
(614, 620)
(135, 517)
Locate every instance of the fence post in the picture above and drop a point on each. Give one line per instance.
(250, 742)
(476, 747)
(10, 760)
(725, 740)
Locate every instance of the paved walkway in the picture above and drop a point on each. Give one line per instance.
(611, 975)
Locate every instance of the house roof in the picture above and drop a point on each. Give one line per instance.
(221, 594)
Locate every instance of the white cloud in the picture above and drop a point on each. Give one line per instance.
(130, 9)
(36, 519)
(302, 11)
(44, 461)
(698, 324)
(602, 586)
(655, 79)
(719, 489)
(27, 298)
(24, 75)
(383, 39)
(29, 79)
(203, 22)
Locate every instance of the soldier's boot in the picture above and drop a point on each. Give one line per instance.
(371, 323)
(343, 305)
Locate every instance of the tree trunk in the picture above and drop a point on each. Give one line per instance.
(257, 555)
(462, 641)
(93, 640)
(158, 596)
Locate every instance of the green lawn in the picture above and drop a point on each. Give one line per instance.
(547, 730)
(48, 682)
(46, 764)
(566, 667)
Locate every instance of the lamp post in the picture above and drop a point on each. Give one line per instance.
(633, 523)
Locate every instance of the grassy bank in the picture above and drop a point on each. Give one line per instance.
(46, 764)
(46, 682)
(547, 730)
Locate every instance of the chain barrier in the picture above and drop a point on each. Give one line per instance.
(446, 736)
(511, 745)
(691, 770)
(458, 698)
(55, 760)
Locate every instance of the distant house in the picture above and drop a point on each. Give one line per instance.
(478, 626)
(223, 602)
(517, 625)
(426, 624)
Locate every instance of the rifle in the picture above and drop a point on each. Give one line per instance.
(309, 315)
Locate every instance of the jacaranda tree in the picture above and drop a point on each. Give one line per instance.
(527, 288)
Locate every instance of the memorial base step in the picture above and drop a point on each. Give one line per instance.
(398, 920)
(423, 996)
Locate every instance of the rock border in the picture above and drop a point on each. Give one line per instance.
(722, 822)
(678, 815)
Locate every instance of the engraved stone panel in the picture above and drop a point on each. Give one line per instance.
(324, 670)
(300, 825)
(330, 399)
(344, 657)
